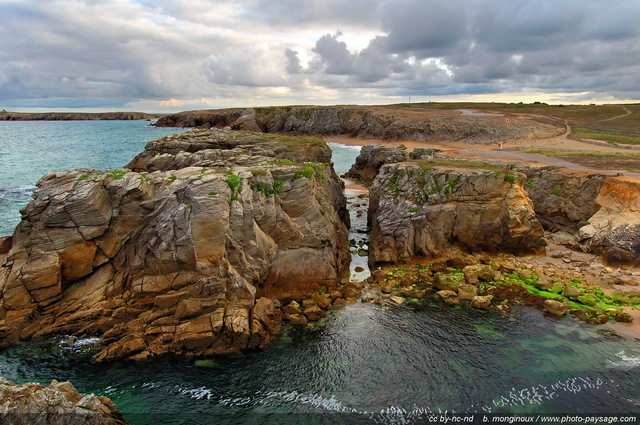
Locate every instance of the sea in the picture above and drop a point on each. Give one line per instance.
(364, 363)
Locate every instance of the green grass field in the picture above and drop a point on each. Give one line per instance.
(607, 136)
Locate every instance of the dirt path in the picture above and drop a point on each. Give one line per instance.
(543, 160)
(513, 151)
(627, 113)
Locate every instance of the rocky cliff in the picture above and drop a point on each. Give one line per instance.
(418, 210)
(372, 157)
(74, 116)
(186, 251)
(600, 211)
(594, 213)
(58, 403)
(562, 200)
(369, 122)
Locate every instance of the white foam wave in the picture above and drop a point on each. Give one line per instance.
(315, 400)
(10, 194)
(535, 395)
(201, 393)
(73, 344)
(626, 361)
(343, 146)
(540, 393)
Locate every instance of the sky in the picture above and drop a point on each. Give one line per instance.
(168, 56)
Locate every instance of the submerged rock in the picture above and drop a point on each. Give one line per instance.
(183, 253)
(555, 307)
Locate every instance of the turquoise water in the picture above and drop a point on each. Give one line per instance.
(343, 156)
(365, 364)
(30, 149)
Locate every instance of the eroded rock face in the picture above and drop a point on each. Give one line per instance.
(365, 122)
(602, 212)
(185, 260)
(58, 403)
(209, 148)
(371, 158)
(614, 231)
(563, 201)
(420, 211)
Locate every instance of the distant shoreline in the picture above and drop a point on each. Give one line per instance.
(76, 116)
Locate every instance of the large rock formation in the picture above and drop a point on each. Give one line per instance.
(73, 116)
(419, 211)
(614, 231)
(187, 251)
(563, 200)
(369, 122)
(371, 158)
(58, 403)
(602, 212)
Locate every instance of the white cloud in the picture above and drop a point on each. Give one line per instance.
(181, 53)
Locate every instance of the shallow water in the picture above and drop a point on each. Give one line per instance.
(370, 364)
(358, 203)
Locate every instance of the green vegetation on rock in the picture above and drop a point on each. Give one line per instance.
(311, 170)
(235, 184)
(117, 174)
(423, 285)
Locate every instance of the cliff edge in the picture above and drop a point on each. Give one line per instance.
(186, 251)
(386, 123)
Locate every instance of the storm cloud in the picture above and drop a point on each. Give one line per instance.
(154, 55)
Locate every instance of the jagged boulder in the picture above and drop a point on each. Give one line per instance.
(417, 210)
(371, 158)
(58, 403)
(188, 260)
(482, 301)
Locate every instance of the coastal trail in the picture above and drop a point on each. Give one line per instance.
(627, 113)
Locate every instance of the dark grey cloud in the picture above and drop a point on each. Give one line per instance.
(88, 50)
(425, 28)
(293, 65)
(316, 13)
(454, 46)
(124, 51)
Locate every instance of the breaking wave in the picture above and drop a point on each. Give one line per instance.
(625, 362)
